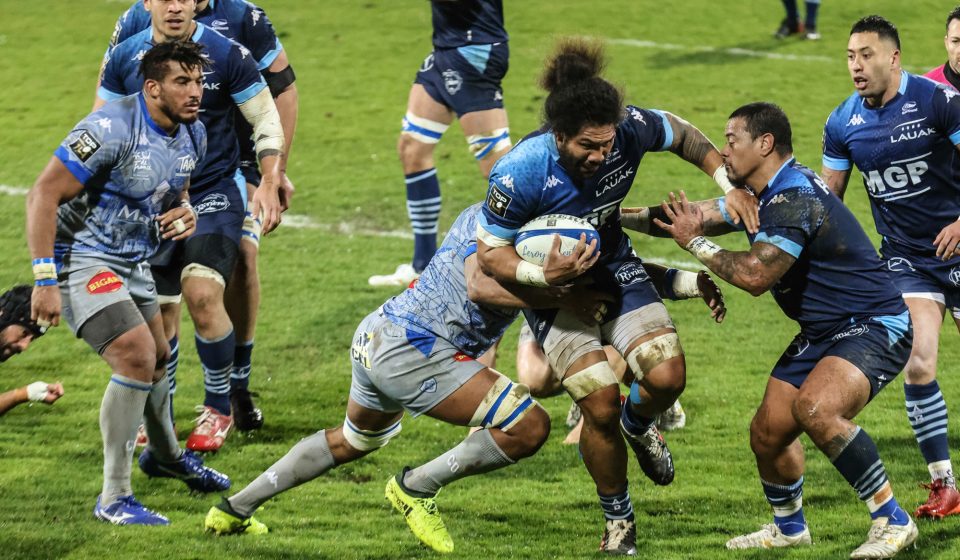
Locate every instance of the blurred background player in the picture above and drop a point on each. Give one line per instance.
(114, 188)
(949, 72)
(855, 332)
(201, 267)
(418, 353)
(17, 333)
(248, 25)
(902, 132)
(461, 78)
(791, 24)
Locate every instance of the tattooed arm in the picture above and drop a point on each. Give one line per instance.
(643, 219)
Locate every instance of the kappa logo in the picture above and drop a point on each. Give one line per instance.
(798, 346)
(637, 115)
(105, 124)
(84, 146)
(916, 414)
(212, 203)
(452, 81)
(552, 181)
(429, 386)
(104, 282)
(507, 181)
(954, 276)
(909, 107)
(631, 273)
(950, 93)
(498, 95)
(272, 478)
(900, 264)
(139, 56)
(143, 141)
(498, 201)
(856, 330)
(777, 199)
(255, 16)
(244, 51)
(856, 120)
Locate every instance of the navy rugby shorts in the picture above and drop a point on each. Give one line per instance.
(466, 79)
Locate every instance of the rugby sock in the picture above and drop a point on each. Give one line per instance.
(793, 16)
(811, 22)
(927, 413)
(307, 460)
(162, 440)
(121, 410)
(240, 373)
(633, 423)
(617, 506)
(216, 358)
(423, 208)
(787, 503)
(859, 462)
(172, 370)
(476, 454)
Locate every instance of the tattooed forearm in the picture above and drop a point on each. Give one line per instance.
(755, 271)
(688, 142)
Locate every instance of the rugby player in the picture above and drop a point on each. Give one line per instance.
(17, 333)
(902, 133)
(855, 330)
(418, 353)
(201, 267)
(114, 188)
(248, 25)
(582, 163)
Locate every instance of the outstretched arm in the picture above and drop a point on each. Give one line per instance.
(38, 391)
(642, 219)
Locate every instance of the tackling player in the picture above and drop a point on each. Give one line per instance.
(17, 333)
(248, 25)
(855, 331)
(418, 353)
(202, 265)
(902, 133)
(114, 188)
(582, 163)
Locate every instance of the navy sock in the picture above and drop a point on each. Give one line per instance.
(787, 503)
(172, 369)
(240, 373)
(216, 358)
(633, 423)
(927, 412)
(811, 22)
(423, 208)
(860, 465)
(617, 506)
(793, 16)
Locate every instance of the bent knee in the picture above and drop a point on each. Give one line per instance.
(532, 431)
(667, 379)
(602, 408)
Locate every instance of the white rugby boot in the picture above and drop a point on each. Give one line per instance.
(402, 277)
(769, 536)
(885, 540)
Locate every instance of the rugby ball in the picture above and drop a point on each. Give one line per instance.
(535, 238)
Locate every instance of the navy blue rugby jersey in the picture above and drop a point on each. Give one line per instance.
(906, 152)
(458, 23)
(232, 79)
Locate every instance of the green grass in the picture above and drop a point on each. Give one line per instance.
(354, 62)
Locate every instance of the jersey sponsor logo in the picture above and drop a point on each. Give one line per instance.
(461, 357)
(552, 181)
(613, 156)
(212, 86)
(141, 161)
(212, 203)
(219, 25)
(600, 215)
(614, 178)
(631, 273)
(909, 107)
(856, 330)
(895, 178)
(797, 346)
(186, 165)
(900, 264)
(954, 276)
(84, 146)
(856, 120)
(104, 282)
(911, 130)
(127, 214)
(429, 386)
(360, 351)
(452, 81)
(498, 202)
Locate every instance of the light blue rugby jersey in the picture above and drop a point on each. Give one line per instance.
(906, 153)
(132, 171)
(437, 305)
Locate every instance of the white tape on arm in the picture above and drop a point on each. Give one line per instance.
(261, 112)
(37, 391)
(720, 177)
(703, 248)
(531, 274)
(685, 285)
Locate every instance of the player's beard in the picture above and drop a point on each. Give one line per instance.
(165, 107)
(574, 166)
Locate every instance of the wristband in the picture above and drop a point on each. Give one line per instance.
(44, 269)
(702, 248)
(37, 391)
(45, 282)
(531, 274)
(685, 285)
(720, 178)
(638, 220)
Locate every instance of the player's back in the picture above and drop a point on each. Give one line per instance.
(437, 305)
(838, 274)
(467, 22)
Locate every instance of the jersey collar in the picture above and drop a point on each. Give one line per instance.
(550, 139)
(904, 78)
(773, 186)
(150, 121)
(198, 32)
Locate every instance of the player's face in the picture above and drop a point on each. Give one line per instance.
(873, 63)
(741, 154)
(583, 154)
(180, 93)
(171, 18)
(13, 340)
(952, 42)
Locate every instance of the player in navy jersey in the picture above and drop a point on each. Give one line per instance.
(248, 25)
(206, 261)
(460, 77)
(855, 331)
(114, 189)
(949, 72)
(583, 163)
(902, 132)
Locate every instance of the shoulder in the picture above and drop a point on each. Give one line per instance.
(131, 49)
(845, 111)
(640, 118)
(528, 160)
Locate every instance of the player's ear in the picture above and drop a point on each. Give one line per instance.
(767, 144)
(152, 88)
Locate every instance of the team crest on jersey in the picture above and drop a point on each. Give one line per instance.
(452, 81)
(954, 276)
(219, 25)
(360, 352)
(429, 386)
(856, 120)
(104, 282)
(631, 273)
(84, 146)
(212, 203)
(909, 107)
(498, 201)
(797, 346)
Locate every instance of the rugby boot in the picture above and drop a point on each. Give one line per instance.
(619, 538)
(653, 454)
(128, 511)
(246, 415)
(673, 418)
(421, 515)
(944, 499)
(788, 28)
(223, 520)
(402, 277)
(885, 540)
(211, 430)
(769, 536)
(188, 468)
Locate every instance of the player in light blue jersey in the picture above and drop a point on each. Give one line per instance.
(114, 189)
(855, 333)
(583, 163)
(418, 353)
(902, 132)
(248, 25)
(202, 266)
